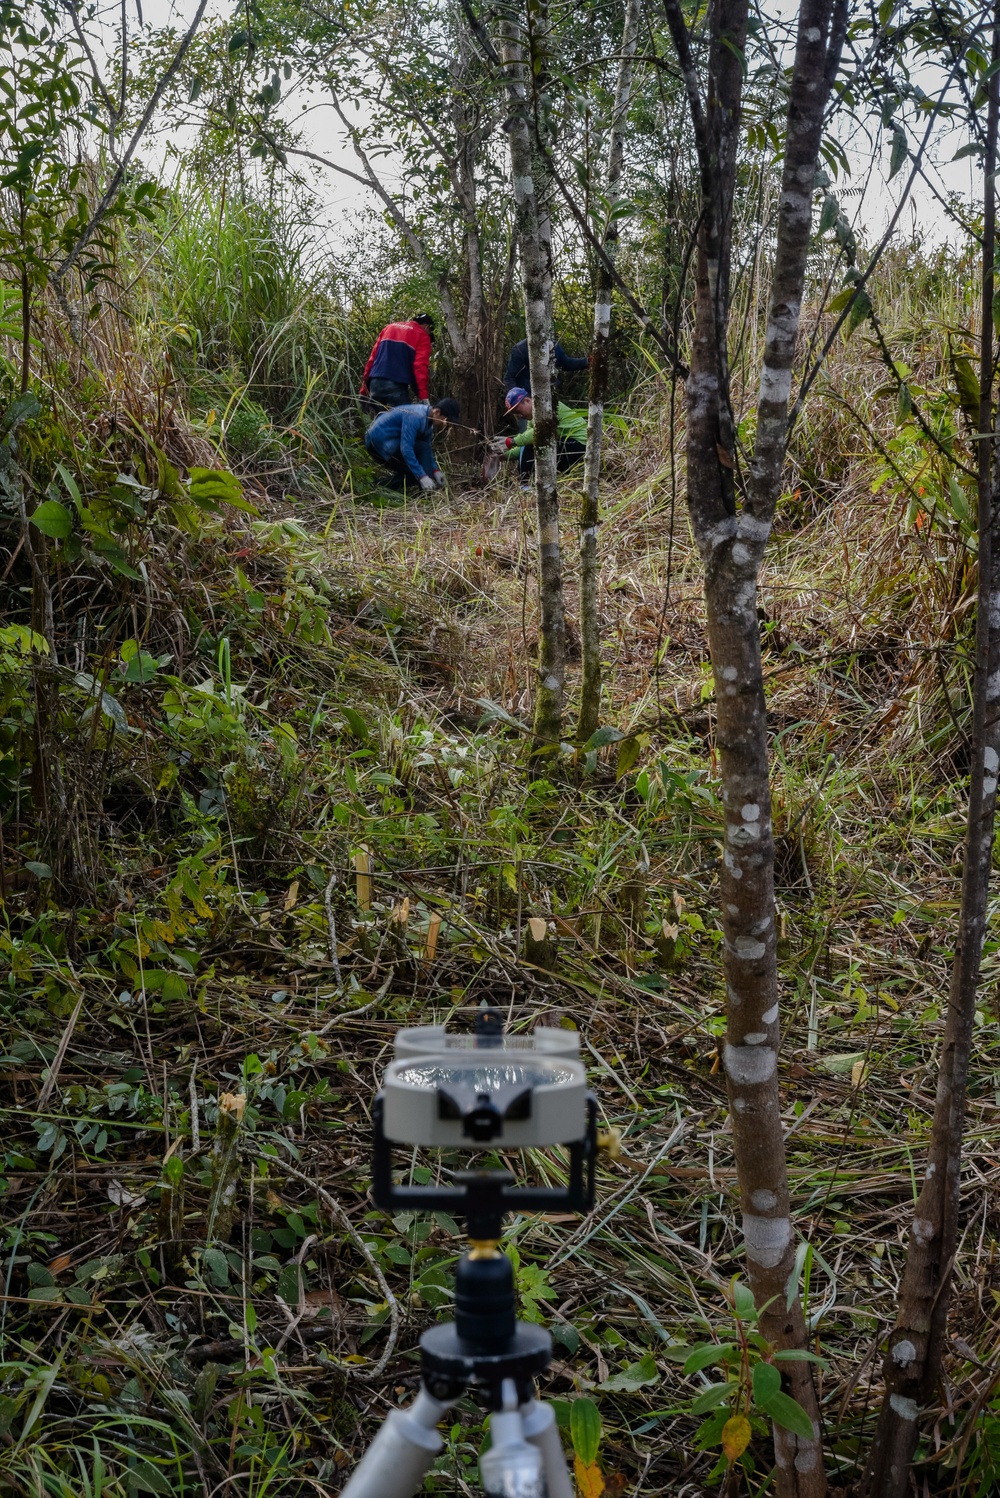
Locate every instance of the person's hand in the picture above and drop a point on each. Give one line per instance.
(439, 478)
(499, 445)
(427, 483)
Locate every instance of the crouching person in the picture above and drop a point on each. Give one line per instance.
(403, 440)
(571, 434)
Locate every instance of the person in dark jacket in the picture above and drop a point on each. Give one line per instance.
(403, 439)
(400, 359)
(517, 374)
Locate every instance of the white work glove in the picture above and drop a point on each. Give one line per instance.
(439, 478)
(427, 483)
(499, 446)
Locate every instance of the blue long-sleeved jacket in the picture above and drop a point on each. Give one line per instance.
(406, 433)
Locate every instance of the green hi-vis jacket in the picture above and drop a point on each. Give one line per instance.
(571, 424)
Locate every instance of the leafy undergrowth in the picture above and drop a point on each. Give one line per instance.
(300, 816)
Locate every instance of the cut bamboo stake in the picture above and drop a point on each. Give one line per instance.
(433, 928)
(48, 1087)
(363, 872)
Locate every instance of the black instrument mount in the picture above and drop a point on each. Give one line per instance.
(485, 1344)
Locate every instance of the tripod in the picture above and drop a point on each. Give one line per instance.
(480, 1094)
(487, 1350)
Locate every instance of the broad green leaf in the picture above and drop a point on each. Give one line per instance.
(800, 1355)
(837, 303)
(217, 1266)
(356, 724)
(705, 1355)
(711, 1398)
(52, 519)
(628, 753)
(860, 309)
(743, 1302)
(900, 151)
(635, 1376)
(828, 213)
(585, 1430)
(40, 870)
(210, 487)
(602, 736)
(24, 408)
(766, 1383)
(788, 1413)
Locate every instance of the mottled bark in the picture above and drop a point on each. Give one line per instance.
(590, 629)
(731, 539)
(913, 1358)
(524, 49)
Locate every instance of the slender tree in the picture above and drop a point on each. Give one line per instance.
(731, 516)
(525, 47)
(913, 1357)
(590, 629)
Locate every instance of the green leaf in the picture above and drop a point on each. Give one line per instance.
(900, 151)
(40, 870)
(860, 309)
(788, 1413)
(585, 1430)
(52, 519)
(828, 213)
(743, 1301)
(837, 303)
(628, 753)
(356, 724)
(174, 987)
(766, 1383)
(605, 735)
(711, 1398)
(217, 1265)
(973, 149)
(799, 1355)
(966, 386)
(635, 1376)
(24, 408)
(210, 487)
(705, 1355)
(195, 90)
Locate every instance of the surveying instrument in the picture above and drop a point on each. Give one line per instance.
(450, 1091)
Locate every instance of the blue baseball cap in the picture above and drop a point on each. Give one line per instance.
(514, 397)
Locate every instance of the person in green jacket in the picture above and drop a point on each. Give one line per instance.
(571, 434)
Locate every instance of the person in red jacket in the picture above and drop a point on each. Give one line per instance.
(400, 358)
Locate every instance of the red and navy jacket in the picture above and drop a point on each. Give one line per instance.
(402, 352)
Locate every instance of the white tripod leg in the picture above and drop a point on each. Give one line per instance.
(400, 1455)
(539, 1424)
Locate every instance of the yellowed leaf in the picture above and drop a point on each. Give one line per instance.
(589, 1482)
(857, 1073)
(735, 1437)
(292, 895)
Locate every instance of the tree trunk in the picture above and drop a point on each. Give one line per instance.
(525, 77)
(732, 546)
(590, 629)
(913, 1358)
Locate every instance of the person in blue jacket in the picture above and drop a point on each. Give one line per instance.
(403, 439)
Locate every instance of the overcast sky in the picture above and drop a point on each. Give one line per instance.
(869, 199)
